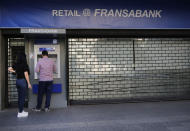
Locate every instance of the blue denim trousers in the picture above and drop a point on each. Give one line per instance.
(45, 87)
(21, 85)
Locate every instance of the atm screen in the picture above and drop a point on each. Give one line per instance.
(51, 56)
(54, 58)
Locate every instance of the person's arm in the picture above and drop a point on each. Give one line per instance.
(27, 79)
(11, 70)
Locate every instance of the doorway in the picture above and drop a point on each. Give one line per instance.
(14, 46)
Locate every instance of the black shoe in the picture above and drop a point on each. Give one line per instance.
(36, 110)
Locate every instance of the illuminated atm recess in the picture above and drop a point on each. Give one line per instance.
(53, 53)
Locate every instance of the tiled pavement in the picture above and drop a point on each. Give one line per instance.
(149, 116)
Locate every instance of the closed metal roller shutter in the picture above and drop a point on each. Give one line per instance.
(108, 69)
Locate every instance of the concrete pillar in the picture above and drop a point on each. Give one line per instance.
(2, 72)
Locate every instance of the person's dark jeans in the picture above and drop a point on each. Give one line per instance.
(21, 88)
(44, 87)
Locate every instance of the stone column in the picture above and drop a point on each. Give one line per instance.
(2, 72)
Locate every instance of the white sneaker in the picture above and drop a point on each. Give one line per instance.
(22, 114)
(47, 110)
(25, 112)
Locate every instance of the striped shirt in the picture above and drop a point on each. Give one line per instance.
(45, 67)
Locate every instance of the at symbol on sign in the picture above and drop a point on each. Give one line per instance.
(86, 12)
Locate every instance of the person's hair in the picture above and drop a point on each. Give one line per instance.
(21, 58)
(44, 53)
(21, 62)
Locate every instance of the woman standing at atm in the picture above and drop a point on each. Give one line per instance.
(22, 74)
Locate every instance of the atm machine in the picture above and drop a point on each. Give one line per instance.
(53, 53)
(58, 91)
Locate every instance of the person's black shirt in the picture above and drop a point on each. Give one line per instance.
(20, 69)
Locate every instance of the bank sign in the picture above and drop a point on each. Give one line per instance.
(95, 14)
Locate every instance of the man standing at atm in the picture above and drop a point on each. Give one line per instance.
(45, 67)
